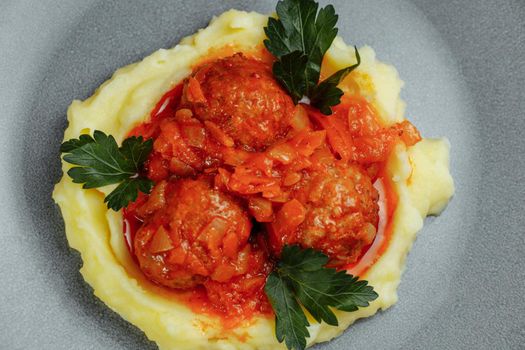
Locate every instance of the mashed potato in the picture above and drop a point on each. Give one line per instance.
(420, 175)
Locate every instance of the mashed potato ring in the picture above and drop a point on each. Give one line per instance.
(419, 173)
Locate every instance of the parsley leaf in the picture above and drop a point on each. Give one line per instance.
(70, 145)
(298, 29)
(290, 322)
(327, 94)
(101, 162)
(290, 72)
(348, 293)
(136, 150)
(300, 276)
(299, 39)
(127, 192)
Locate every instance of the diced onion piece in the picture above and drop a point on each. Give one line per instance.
(157, 168)
(291, 215)
(291, 178)
(284, 153)
(195, 264)
(235, 157)
(194, 92)
(300, 120)
(317, 188)
(243, 259)
(281, 197)
(180, 168)
(218, 134)
(213, 233)
(301, 163)
(177, 256)
(230, 245)
(272, 191)
(407, 132)
(249, 177)
(194, 134)
(260, 161)
(252, 284)
(170, 133)
(336, 133)
(306, 142)
(361, 119)
(321, 157)
(282, 230)
(222, 178)
(155, 201)
(368, 233)
(261, 209)
(161, 241)
(183, 115)
(223, 272)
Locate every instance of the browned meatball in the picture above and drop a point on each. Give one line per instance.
(240, 96)
(191, 233)
(334, 209)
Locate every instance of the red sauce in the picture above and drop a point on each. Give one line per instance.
(240, 172)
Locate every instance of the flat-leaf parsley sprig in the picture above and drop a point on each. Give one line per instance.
(100, 162)
(302, 278)
(299, 39)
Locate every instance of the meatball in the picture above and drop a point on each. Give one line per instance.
(241, 97)
(334, 209)
(191, 233)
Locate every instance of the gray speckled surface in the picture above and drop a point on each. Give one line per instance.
(464, 67)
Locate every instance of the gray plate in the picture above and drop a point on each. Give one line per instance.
(463, 63)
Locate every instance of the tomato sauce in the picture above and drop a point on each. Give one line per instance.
(240, 171)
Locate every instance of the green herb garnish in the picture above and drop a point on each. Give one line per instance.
(101, 162)
(299, 39)
(301, 277)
